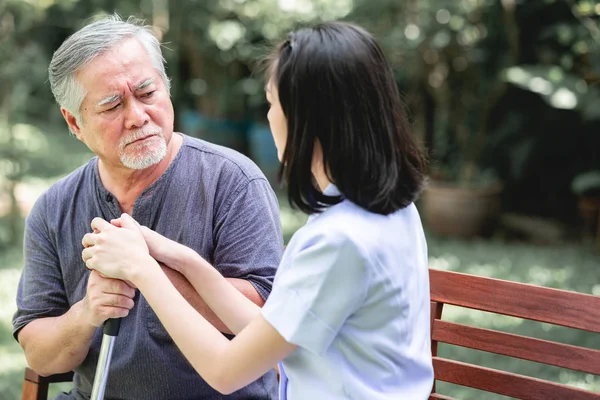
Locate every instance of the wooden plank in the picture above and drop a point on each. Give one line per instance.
(32, 376)
(34, 390)
(35, 387)
(437, 396)
(506, 383)
(435, 313)
(555, 306)
(526, 348)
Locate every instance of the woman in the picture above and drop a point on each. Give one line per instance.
(348, 315)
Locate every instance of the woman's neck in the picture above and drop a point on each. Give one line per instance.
(318, 169)
(321, 178)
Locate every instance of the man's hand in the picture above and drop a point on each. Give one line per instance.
(106, 298)
(54, 345)
(118, 253)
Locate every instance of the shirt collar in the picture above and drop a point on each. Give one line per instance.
(330, 190)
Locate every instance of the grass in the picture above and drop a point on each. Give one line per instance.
(12, 361)
(568, 266)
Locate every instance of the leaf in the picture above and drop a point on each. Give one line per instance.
(586, 183)
(558, 88)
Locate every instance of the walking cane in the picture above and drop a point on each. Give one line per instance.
(110, 330)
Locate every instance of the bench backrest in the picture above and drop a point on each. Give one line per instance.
(553, 306)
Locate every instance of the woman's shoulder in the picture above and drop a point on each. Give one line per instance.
(340, 226)
(370, 233)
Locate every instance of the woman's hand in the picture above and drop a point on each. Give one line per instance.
(117, 252)
(161, 248)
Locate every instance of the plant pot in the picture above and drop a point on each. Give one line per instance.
(589, 211)
(457, 211)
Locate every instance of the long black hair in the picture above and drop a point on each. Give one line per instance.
(336, 85)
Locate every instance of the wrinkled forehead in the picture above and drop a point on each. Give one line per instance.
(115, 73)
(128, 59)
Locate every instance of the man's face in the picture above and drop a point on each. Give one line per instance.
(126, 115)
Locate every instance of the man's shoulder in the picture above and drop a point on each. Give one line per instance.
(216, 159)
(66, 187)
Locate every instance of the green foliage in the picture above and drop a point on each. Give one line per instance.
(448, 55)
(457, 63)
(221, 44)
(557, 87)
(587, 183)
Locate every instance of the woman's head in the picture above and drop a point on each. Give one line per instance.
(331, 86)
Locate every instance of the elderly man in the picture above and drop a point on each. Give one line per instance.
(110, 83)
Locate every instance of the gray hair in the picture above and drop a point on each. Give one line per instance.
(89, 42)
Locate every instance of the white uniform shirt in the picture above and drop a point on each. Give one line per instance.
(352, 291)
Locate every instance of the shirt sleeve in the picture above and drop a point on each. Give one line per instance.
(249, 241)
(40, 293)
(323, 284)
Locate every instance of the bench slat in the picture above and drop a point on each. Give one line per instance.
(32, 376)
(555, 306)
(506, 383)
(532, 349)
(437, 396)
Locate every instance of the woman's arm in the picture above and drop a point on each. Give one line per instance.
(231, 302)
(228, 303)
(122, 253)
(190, 293)
(225, 365)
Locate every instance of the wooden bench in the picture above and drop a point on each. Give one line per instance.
(553, 306)
(35, 387)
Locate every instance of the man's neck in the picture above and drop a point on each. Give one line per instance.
(127, 184)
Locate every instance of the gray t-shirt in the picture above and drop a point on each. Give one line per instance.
(211, 199)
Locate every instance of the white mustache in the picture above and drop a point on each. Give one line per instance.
(141, 133)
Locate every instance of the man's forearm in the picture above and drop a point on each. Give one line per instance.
(235, 301)
(56, 345)
(191, 295)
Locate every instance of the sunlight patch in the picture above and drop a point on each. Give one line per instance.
(447, 262)
(9, 279)
(590, 382)
(11, 361)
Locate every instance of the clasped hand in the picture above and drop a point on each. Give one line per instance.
(116, 249)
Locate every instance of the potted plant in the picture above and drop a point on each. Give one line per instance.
(586, 186)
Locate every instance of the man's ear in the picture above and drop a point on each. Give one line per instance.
(72, 123)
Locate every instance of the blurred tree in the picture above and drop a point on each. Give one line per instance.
(20, 69)
(448, 55)
(475, 74)
(546, 129)
(453, 60)
(220, 96)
